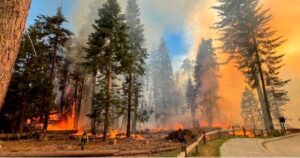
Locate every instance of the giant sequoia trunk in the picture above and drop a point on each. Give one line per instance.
(13, 15)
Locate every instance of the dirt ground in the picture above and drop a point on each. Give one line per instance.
(57, 145)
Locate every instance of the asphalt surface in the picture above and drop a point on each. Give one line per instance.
(287, 146)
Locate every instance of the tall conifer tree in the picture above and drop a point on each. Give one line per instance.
(108, 55)
(246, 35)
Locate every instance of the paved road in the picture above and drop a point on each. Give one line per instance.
(253, 147)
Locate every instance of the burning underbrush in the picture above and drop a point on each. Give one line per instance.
(182, 136)
(62, 122)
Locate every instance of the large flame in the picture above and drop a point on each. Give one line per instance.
(63, 124)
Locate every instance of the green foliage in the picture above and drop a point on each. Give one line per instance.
(163, 83)
(276, 133)
(31, 88)
(107, 57)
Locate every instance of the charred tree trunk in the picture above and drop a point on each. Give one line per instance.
(93, 122)
(21, 118)
(78, 102)
(108, 97)
(13, 15)
(129, 105)
(135, 112)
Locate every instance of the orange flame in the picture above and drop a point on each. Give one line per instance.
(221, 125)
(178, 126)
(67, 124)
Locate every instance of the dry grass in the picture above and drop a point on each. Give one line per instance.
(210, 149)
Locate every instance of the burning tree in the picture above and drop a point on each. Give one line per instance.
(13, 15)
(34, 70)
(55, 37)
(251, 113)
(206, 79)
(248, 38)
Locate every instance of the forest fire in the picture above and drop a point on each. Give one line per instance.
(221, 125)
(58, 123)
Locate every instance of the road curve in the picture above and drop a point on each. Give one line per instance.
(287, 146)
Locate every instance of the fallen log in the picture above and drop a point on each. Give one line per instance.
(97, 153)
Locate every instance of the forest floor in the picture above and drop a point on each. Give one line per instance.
(153, 143)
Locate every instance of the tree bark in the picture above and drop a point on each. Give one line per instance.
(13, 16)
(108, 97)
(129, 106)
(93, 122)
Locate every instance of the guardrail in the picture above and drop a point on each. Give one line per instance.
(218, 134)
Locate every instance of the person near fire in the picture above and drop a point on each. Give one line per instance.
(84, 139)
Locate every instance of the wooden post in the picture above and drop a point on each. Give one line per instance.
(244, 130)
(204, 137)
(284, 130)
(219, 134)
(197, 149)
(183, 149)
(254, 133)
(18, 136)
(233, 132)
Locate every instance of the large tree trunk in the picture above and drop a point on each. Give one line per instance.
(13, 15)
(108, 101)
(129, 105)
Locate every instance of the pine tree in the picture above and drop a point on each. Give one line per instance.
(251, 113)
(163, 83)
(246, 35)
(188, 66)
(137, 67)
(29, 80)
(13, 16)
(206, 79)
(107, 54)
(275, 86)
(56, 37)
(189, 96)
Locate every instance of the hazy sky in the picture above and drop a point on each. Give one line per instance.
(183, 23)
